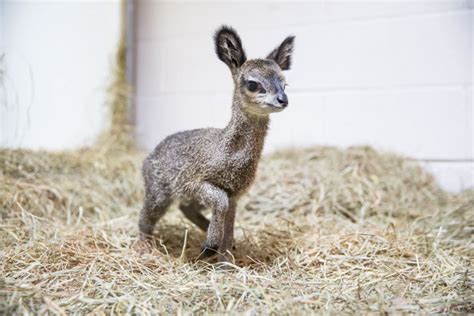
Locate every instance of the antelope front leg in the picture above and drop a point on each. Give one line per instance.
(228, 234)
(216, 199)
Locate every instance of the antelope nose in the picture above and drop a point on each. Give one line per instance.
(282, 100)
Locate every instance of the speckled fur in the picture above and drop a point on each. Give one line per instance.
(210, 167)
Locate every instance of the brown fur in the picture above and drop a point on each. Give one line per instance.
(212, 168)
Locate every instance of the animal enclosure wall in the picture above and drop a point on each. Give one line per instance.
(396, 75)
(56, 62)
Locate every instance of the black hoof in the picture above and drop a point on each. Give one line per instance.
(207, 251)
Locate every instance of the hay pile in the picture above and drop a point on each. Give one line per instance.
(322, 229)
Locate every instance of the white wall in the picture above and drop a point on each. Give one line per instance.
(55, 66)
(393, 74)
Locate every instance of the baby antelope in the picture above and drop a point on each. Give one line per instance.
(210, 167)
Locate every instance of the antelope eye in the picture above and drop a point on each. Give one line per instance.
(252, 86)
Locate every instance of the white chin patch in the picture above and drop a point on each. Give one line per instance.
(267, 99)
(275, 108)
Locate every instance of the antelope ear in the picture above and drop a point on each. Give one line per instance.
(229, 47)
(282, 54)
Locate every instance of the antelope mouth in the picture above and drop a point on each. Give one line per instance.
(275, 107)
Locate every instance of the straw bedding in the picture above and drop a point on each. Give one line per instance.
(322, 229)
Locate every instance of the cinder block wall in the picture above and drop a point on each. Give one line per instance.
(394, 75)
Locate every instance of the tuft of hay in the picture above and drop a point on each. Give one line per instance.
(119, 136)
(322, 229)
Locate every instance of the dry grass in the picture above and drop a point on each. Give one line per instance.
(322, 229)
